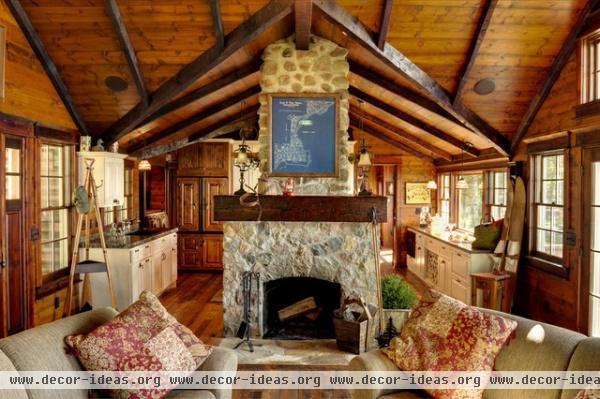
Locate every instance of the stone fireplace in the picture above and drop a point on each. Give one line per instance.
(338, 254)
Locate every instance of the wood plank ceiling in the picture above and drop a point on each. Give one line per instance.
(192, 67)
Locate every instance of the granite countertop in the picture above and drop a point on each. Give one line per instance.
(465, 246)
(130, 241)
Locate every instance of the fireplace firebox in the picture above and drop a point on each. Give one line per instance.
(300, 308)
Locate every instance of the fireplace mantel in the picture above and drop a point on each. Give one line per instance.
(301, 208)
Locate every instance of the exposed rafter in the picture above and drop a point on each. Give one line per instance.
(436, 152)
(112, 9)
(303, 20)
(383, 137)
(418, 123)
(215, 9)
(384, 26)
(258, 23)
(205, 113)
(346, 22)
(555, 69)
(20, 15)
(484, 21)
(204, 91)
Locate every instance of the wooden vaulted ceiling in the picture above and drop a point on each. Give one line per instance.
(193, 66)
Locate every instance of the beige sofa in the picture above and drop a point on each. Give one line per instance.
(42, 348)
(559, 350)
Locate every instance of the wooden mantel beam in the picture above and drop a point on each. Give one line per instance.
(303, 20)
(20, 15)
(557, 66)
(482, 27)
(249, 30)
(205, 113)
(112, 9)
(384, 26)
(215, 9)
(416, 122)
(355, 123)
(397, 61)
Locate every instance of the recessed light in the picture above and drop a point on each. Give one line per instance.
(116, 83)
(484, 86)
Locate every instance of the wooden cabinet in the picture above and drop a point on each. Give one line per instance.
(188, 196)
(109, 174)
(212, 187)
(204, 159)
(200, 251)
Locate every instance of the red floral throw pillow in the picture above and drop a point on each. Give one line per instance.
(443, 334)
(144, 337)
(588, 394)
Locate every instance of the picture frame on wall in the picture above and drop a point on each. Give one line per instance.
(304, 134)
(417, 193)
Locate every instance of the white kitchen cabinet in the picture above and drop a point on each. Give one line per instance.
(109, 174)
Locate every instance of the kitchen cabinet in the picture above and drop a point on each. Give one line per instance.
(109, 174)
(212, 187)
(188, 196)
(204, 160)
(200, 251)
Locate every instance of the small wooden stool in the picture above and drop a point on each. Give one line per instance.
(493, 287)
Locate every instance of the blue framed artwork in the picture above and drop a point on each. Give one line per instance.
(304, 134)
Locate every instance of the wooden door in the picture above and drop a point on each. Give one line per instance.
(13, 277)
(212, 187)
(188, 194)
(212, 248)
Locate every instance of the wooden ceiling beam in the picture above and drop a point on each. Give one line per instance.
(384, 25)
(215, 10)
(435, 151)
(204, 91)
(303, 20)
(205, 113)
(555, 70)
(482, 27)
(20, 15)
(113, 12)
(249, 30)
(346, 22)
(383, 137)
(413, 121)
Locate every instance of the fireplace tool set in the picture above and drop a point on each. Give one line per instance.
(245, 330)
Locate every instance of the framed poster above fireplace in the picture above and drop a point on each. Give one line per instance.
(304, 134)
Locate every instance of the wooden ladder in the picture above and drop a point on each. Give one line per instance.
(88, 266)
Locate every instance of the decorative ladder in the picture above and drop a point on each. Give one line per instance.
(88, 266)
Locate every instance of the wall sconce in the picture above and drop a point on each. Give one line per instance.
(144, 165)
(244, 160)
(432, 185)
(364, 163)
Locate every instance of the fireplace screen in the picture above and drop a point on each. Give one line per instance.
(300, 308)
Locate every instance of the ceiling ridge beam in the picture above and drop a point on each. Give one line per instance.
(384, 25)
(20, 15)
(383, 137)
(198, 117)
(411, 120)
(559, 62)
(348, 23)
(482, 27)
(112, 9)
(199, 93)
(215, 10)
(250, 29)
(401, 133)
(303, 21)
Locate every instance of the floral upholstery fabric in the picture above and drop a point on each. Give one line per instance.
(144, 337)
(443, 334)
(588, 394)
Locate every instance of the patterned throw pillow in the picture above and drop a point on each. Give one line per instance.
(588, 394)
(144, 337)
(443, 334)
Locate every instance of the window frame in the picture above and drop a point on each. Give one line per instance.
(589, 70)
(490, 191)
(441, 198)
(456, 176)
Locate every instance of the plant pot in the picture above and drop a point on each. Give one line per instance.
(398, 316)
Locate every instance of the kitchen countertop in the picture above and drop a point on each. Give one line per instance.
(444, 237)
(130, 241)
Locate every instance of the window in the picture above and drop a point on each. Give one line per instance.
(470, 202)
(55, 187)
(590, 68)
(127, 208)
(548, 205)
(497, 194)
(444, 188)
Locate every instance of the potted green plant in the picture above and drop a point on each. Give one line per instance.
(398, 298)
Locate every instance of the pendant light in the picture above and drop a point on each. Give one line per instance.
(461, 183)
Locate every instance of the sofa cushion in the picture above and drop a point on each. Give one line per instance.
(537, 347)
(190, 394)
(43, 348)
(6, 365)
(585, 358)
(416, 394)
(443, 334)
